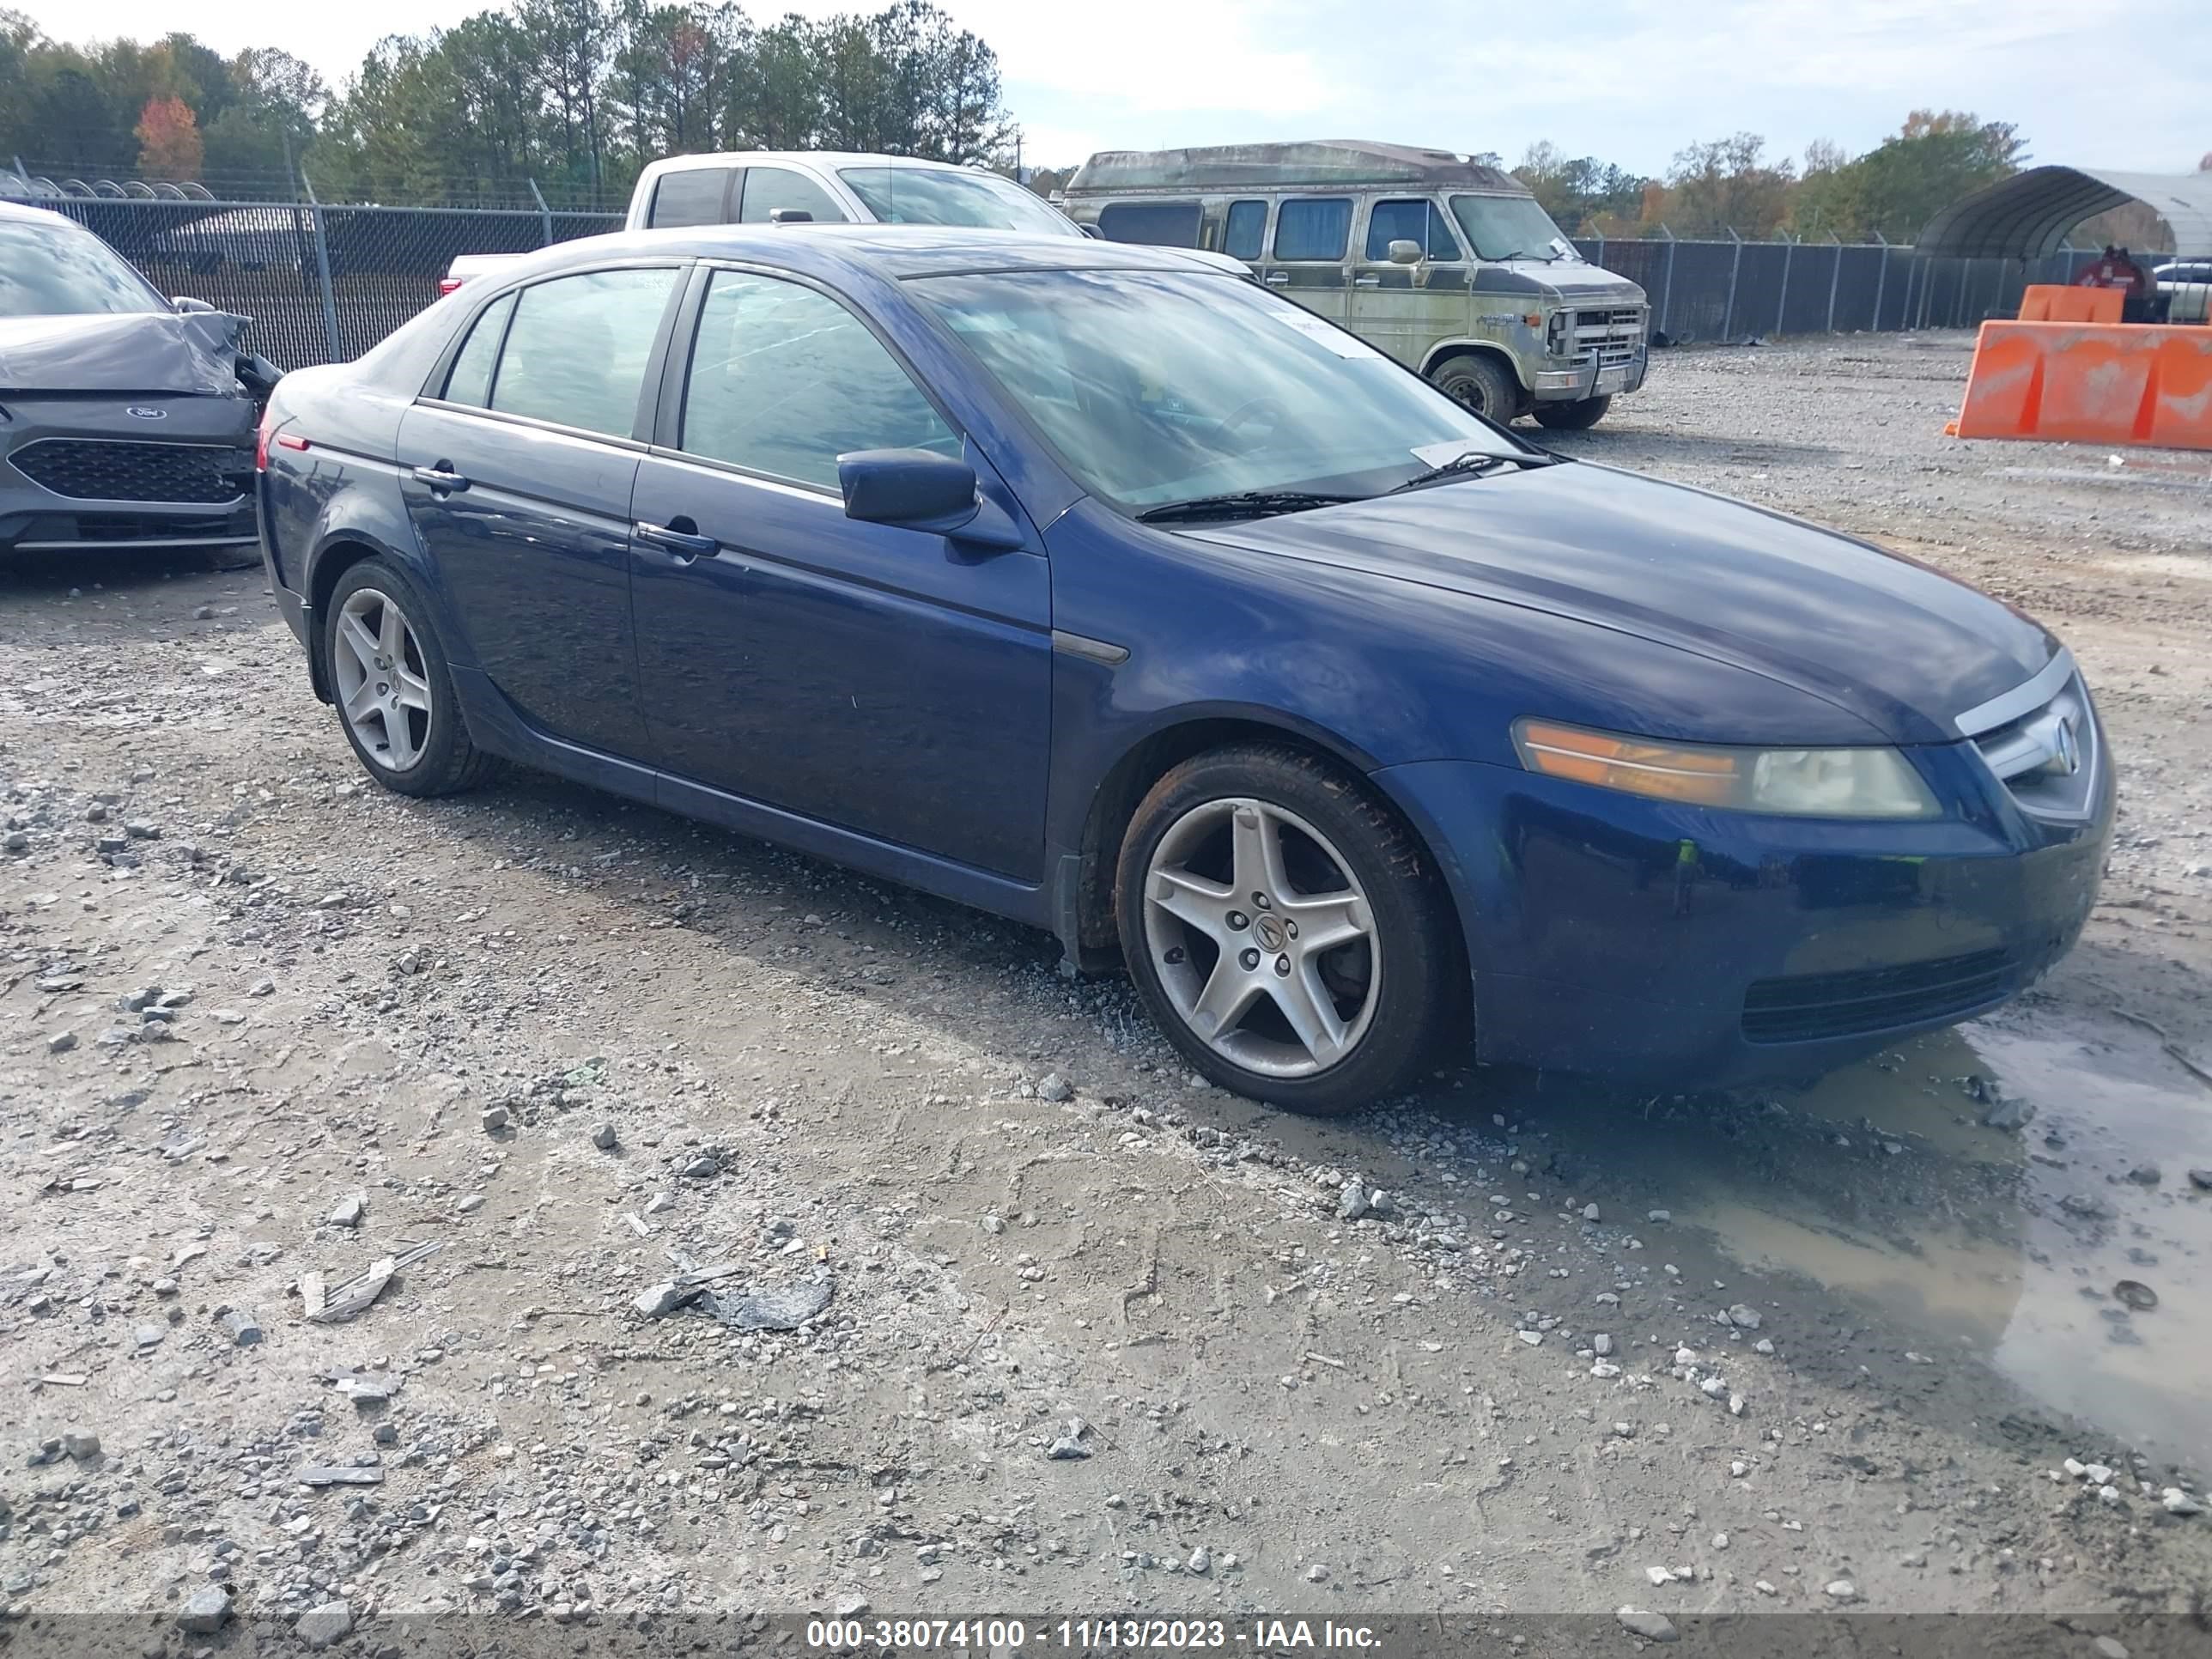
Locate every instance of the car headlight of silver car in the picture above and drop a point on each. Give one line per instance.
(1823, 783)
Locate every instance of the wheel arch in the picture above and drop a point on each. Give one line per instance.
(1087, 925)
(339, 553)
(1444, 351)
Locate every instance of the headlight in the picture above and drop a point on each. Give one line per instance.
(1821, 783)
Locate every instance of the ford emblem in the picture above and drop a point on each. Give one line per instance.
(140, 412)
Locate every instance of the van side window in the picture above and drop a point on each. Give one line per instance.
(1313, 228)
(688, 196)
(1409, 222)
(1247, 231)
(1155, 224)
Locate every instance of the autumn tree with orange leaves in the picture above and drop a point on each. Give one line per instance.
(169, 144)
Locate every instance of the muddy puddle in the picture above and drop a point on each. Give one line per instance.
(1883, 1184)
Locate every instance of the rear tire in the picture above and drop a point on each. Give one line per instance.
(1286, 931)
(393, 685)
(1577, 416)
(1480, 382)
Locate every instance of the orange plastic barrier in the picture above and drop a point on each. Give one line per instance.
(2052, 302)
(2120, 383)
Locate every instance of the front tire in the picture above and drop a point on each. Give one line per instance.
(1482, 383)
(392, 684)
(1577, 416)
(1286, 931)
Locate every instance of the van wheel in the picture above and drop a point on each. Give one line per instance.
(1482, 383)
(1577, 416)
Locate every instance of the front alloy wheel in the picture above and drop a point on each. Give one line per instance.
(1261, 937)
(1286, 929)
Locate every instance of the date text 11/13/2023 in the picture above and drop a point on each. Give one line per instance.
(996, 1636)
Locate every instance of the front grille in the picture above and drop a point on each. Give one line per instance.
(1613, 336)
(1807, 1008)
(2048, 757)
(121, 470)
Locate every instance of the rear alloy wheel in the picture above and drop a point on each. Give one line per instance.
(1480, 382)
(1577, 416)
(1285, 930)
(393, 690)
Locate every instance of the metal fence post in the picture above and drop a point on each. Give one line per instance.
(323, 270)
(1735, 265)
(544, 216)
(1667, 290)
(1781, 303)
(1881, 281)
(1835, 276)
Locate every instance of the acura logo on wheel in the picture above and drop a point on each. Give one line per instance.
(140, 412)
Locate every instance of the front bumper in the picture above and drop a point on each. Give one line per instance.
(52, 499)
(1677, 946)
(1572, 386)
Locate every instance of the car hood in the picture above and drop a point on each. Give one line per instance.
(1893, 642)
(137, 351)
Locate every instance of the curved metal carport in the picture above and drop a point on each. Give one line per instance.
(2028, 215)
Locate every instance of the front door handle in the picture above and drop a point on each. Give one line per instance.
(440, 476)
(1276, 278)
(690, 543)
(1367, 281)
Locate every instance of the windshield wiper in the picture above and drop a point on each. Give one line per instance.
(1472, 465)
(1242, 504)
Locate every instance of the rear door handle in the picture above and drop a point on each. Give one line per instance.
(440, 476)
(688, 542)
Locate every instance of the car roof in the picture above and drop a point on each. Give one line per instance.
(16, 210)
(831, 159)
(895, 251)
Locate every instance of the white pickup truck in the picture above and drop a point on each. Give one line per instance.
(750, 187)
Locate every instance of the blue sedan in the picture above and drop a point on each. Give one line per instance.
(1085, 585)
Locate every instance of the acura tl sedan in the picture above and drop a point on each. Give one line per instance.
(1070, 581)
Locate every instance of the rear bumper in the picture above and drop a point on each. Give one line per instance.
(1679, 947)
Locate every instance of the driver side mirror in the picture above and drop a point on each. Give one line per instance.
(185, 303)
(1406, 252)
(920, 489)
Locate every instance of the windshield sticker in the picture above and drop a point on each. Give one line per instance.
(1343, 345)
(1444, 453)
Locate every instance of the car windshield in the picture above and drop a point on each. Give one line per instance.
(1157, 388)
(933, 196)
(60, 272)
(1510, 227)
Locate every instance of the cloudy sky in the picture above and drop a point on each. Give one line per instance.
(2122, 83)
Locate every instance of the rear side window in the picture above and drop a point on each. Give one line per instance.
(1313, 228)
(471, 379)
(1155, 224)
(576, 350)
(688, 196)
(1247, 230)
(784, 380)
(1409, 222)
(767, 189)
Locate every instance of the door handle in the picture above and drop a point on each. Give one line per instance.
(1276, 278)
(440, 476)
(686, 543)
(1367, 281)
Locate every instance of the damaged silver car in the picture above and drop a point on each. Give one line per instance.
(126, 418)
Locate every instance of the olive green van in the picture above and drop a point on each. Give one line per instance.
(1448, 266)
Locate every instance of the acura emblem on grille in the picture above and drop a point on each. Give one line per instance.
(142, 413)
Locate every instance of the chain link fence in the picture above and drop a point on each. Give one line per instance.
(324, 282)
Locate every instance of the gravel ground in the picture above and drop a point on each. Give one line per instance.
(1096, 1336)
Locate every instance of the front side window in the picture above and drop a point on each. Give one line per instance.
(688, 196)
(769, 189)
(576, 350)
(1246, 233)
(1420, 223)
(945, 196)
(1156, 387)
(1313, 228)
(784, 380)
(61, 271)
(470, 381)
(1152, 224)
(1510, 227)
